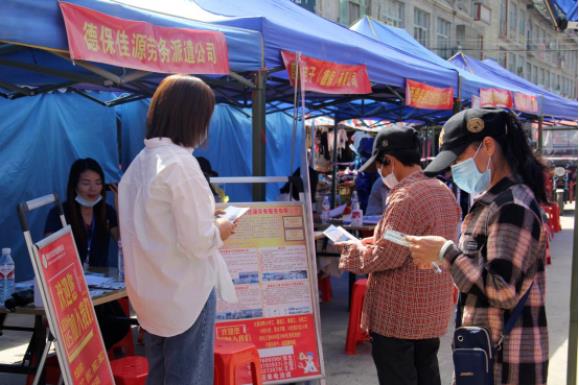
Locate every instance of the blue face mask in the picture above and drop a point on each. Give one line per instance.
(468, 178)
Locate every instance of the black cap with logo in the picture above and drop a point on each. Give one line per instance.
(390, 140)
(464, 128)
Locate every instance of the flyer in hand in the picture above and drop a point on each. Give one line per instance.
(339, 234)
(232, 213)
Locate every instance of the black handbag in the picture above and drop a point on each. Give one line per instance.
(472, 351)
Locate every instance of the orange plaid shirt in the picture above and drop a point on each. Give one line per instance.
(403, 301)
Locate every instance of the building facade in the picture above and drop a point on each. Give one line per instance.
(513, 32)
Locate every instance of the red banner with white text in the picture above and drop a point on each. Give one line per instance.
(328, 77)
(97, 37)
(495, 97)
(423, 96)
(526, 103)
(71, 312)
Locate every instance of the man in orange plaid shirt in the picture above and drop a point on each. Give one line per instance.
(406, 308)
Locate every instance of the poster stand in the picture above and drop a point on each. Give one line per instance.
(68, 306)
(305, 208)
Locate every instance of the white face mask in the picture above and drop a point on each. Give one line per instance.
(390, 180)
(86, 203)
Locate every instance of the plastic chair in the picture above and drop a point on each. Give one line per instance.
(355, 332)
(132, 370)
(325, 285)
(231, 356)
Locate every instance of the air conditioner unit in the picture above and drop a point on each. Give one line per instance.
(462, 6)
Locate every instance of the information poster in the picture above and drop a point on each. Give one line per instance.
(82, 354)
(268, 261)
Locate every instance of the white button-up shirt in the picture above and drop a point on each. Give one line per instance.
(170, 239)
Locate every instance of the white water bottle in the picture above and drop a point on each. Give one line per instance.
(356, 211)
(325, 209)
(7, 275)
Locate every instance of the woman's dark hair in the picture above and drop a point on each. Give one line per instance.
(518, 154)
(72, 208)
(180, 110)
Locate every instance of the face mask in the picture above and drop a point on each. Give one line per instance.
(390, 180)
(86, 203)
(468, 178)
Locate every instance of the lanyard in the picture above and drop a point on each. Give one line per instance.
(89, 239)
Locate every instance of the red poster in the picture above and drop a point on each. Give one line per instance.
(97, 37)
(526, 103)
(328, 77)
(495, 97)
(72, 313)
(268, 261)
(287, 345)
(420, 95)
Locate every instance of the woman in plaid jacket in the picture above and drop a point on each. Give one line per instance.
(501, 253)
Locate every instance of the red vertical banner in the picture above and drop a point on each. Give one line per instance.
(495, 97)
(421, 95)
(526, 103)
(98, 37)
(71, 312)
(328, 77)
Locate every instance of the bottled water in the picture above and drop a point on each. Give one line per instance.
(7, 275)
(356, 213)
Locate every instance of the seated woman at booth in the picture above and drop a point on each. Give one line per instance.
(94, 223)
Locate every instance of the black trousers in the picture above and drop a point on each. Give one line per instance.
(405, 362)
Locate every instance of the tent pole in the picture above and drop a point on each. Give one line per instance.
(335, 165)
(258, 134)
(572, 344)
(540, 136)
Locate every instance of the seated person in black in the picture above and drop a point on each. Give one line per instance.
(93, 224)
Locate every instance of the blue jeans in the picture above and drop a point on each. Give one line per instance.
(187, 358)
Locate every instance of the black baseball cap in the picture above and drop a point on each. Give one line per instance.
(464, 128)
(390, 140)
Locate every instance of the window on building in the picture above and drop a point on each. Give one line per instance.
(520, 65)
(502, 57)
(393, 13)
(512, 20)
(535, 74)
(422, 27)
(547, 79)
(542, 77)
(512, 62)
(353, 11)
(558, 83)
(443, 37)
(522, 26)
(503, 17)
(529, 72)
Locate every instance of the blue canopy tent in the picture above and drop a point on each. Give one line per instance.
(400, 40)
(562, 13)
(286, 26)
(552, 105)
(34, 49)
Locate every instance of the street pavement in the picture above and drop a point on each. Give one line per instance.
(342, 369)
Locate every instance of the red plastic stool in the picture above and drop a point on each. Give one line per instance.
(131, 370)
(325, 285)
(556, 217)
(355, 333)
(231, 356)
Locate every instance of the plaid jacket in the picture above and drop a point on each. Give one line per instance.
(403, 301)
(501, 252)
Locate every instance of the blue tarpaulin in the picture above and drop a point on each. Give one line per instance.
(551, 104)
(43, 135)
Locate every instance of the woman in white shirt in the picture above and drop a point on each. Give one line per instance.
(171, 237)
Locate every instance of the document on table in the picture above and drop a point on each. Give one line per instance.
(339, 234)
(232, 213)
